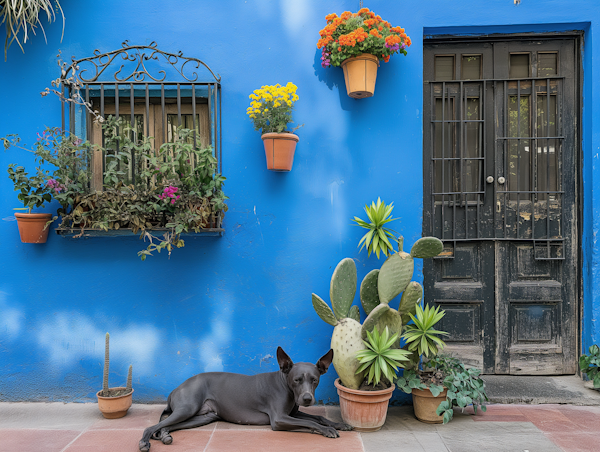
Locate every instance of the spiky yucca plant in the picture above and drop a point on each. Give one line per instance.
(377, 239)
(24, 14)
(380, 358)
(421, 336)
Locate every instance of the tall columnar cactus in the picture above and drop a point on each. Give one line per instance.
(394, 278)
(128, 386)
(346, 338)
(105, 392)
(105, 388)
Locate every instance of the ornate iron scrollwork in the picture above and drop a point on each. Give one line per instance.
(89, 70)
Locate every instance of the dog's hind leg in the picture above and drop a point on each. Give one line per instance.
(193, 422)
(175, 418)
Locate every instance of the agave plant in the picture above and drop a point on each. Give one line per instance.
(380, 358)
(17, 14)
(377, 239)
(421, 336)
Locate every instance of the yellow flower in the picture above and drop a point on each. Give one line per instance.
(266, 109)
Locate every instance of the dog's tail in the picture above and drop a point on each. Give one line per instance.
(168, 410)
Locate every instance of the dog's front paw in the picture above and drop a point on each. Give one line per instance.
(343, 427)
(144, 446)
(330, 432)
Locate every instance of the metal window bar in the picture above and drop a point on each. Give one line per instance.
(459, 197)
(145, 85)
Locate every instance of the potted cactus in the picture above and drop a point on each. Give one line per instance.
(377, 290)
(113, 402)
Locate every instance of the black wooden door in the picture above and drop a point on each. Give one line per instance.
(500, 184)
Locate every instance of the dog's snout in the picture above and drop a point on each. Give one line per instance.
(307, 399)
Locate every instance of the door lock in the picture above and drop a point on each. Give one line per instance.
(490, 180)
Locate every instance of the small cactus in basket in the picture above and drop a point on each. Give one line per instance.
(113, 402)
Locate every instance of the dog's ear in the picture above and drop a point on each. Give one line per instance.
(325, 361)
(285, 362)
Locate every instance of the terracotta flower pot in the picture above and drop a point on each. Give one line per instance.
(360, 74)
(279, 149)
(114, 407)
(32, 227)
(364, 410)
(425, 405)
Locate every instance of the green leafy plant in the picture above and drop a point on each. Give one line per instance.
(421, 336)
(465, 387)
(271, 107)
(33, 191)
(24, 14)
(381, 358)
(378, 238)
(589, 364)
(177, 189)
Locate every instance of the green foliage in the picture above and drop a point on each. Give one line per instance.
(421, 336)
(411, 379)
(33, 191)
(465, 387)
(380, 358)
(24, 14)
(377, 239)
(590, 365)
(177, 188)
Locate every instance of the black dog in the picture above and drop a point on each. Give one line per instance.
(265, 399)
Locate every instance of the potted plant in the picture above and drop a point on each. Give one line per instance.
(425, 385)
(34, 192)
(357, 42)
(444, 383)
(590, 365)
(271, 112)
(113, 402)
(377, 290)
(366, 408)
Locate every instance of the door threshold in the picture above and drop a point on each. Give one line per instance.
(537, 390)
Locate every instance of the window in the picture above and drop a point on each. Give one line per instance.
(155, 91)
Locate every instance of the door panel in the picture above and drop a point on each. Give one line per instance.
(500, 192)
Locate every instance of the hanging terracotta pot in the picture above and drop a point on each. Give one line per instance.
(114, 407)
(366, 411)
(32, 227)
(360, 73)
(425, 405)
(279, 149)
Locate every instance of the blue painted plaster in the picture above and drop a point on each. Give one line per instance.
(227, 303)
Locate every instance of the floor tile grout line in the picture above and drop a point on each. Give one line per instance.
(211, 436)
(75, 439)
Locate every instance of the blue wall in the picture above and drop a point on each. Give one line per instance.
(227, 303)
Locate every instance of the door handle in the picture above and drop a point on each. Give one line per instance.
(490, 179)
(501, 180)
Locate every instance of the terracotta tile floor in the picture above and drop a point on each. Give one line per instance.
(44, 427)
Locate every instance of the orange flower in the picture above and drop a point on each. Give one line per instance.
(375, 33)
(363, 10)
(380, 28)
(386, 58)
(346, 15)
(339, 49)
(330, 17)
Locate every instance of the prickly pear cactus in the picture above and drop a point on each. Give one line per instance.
(346, 338)
(380, 287)
(346, 341)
